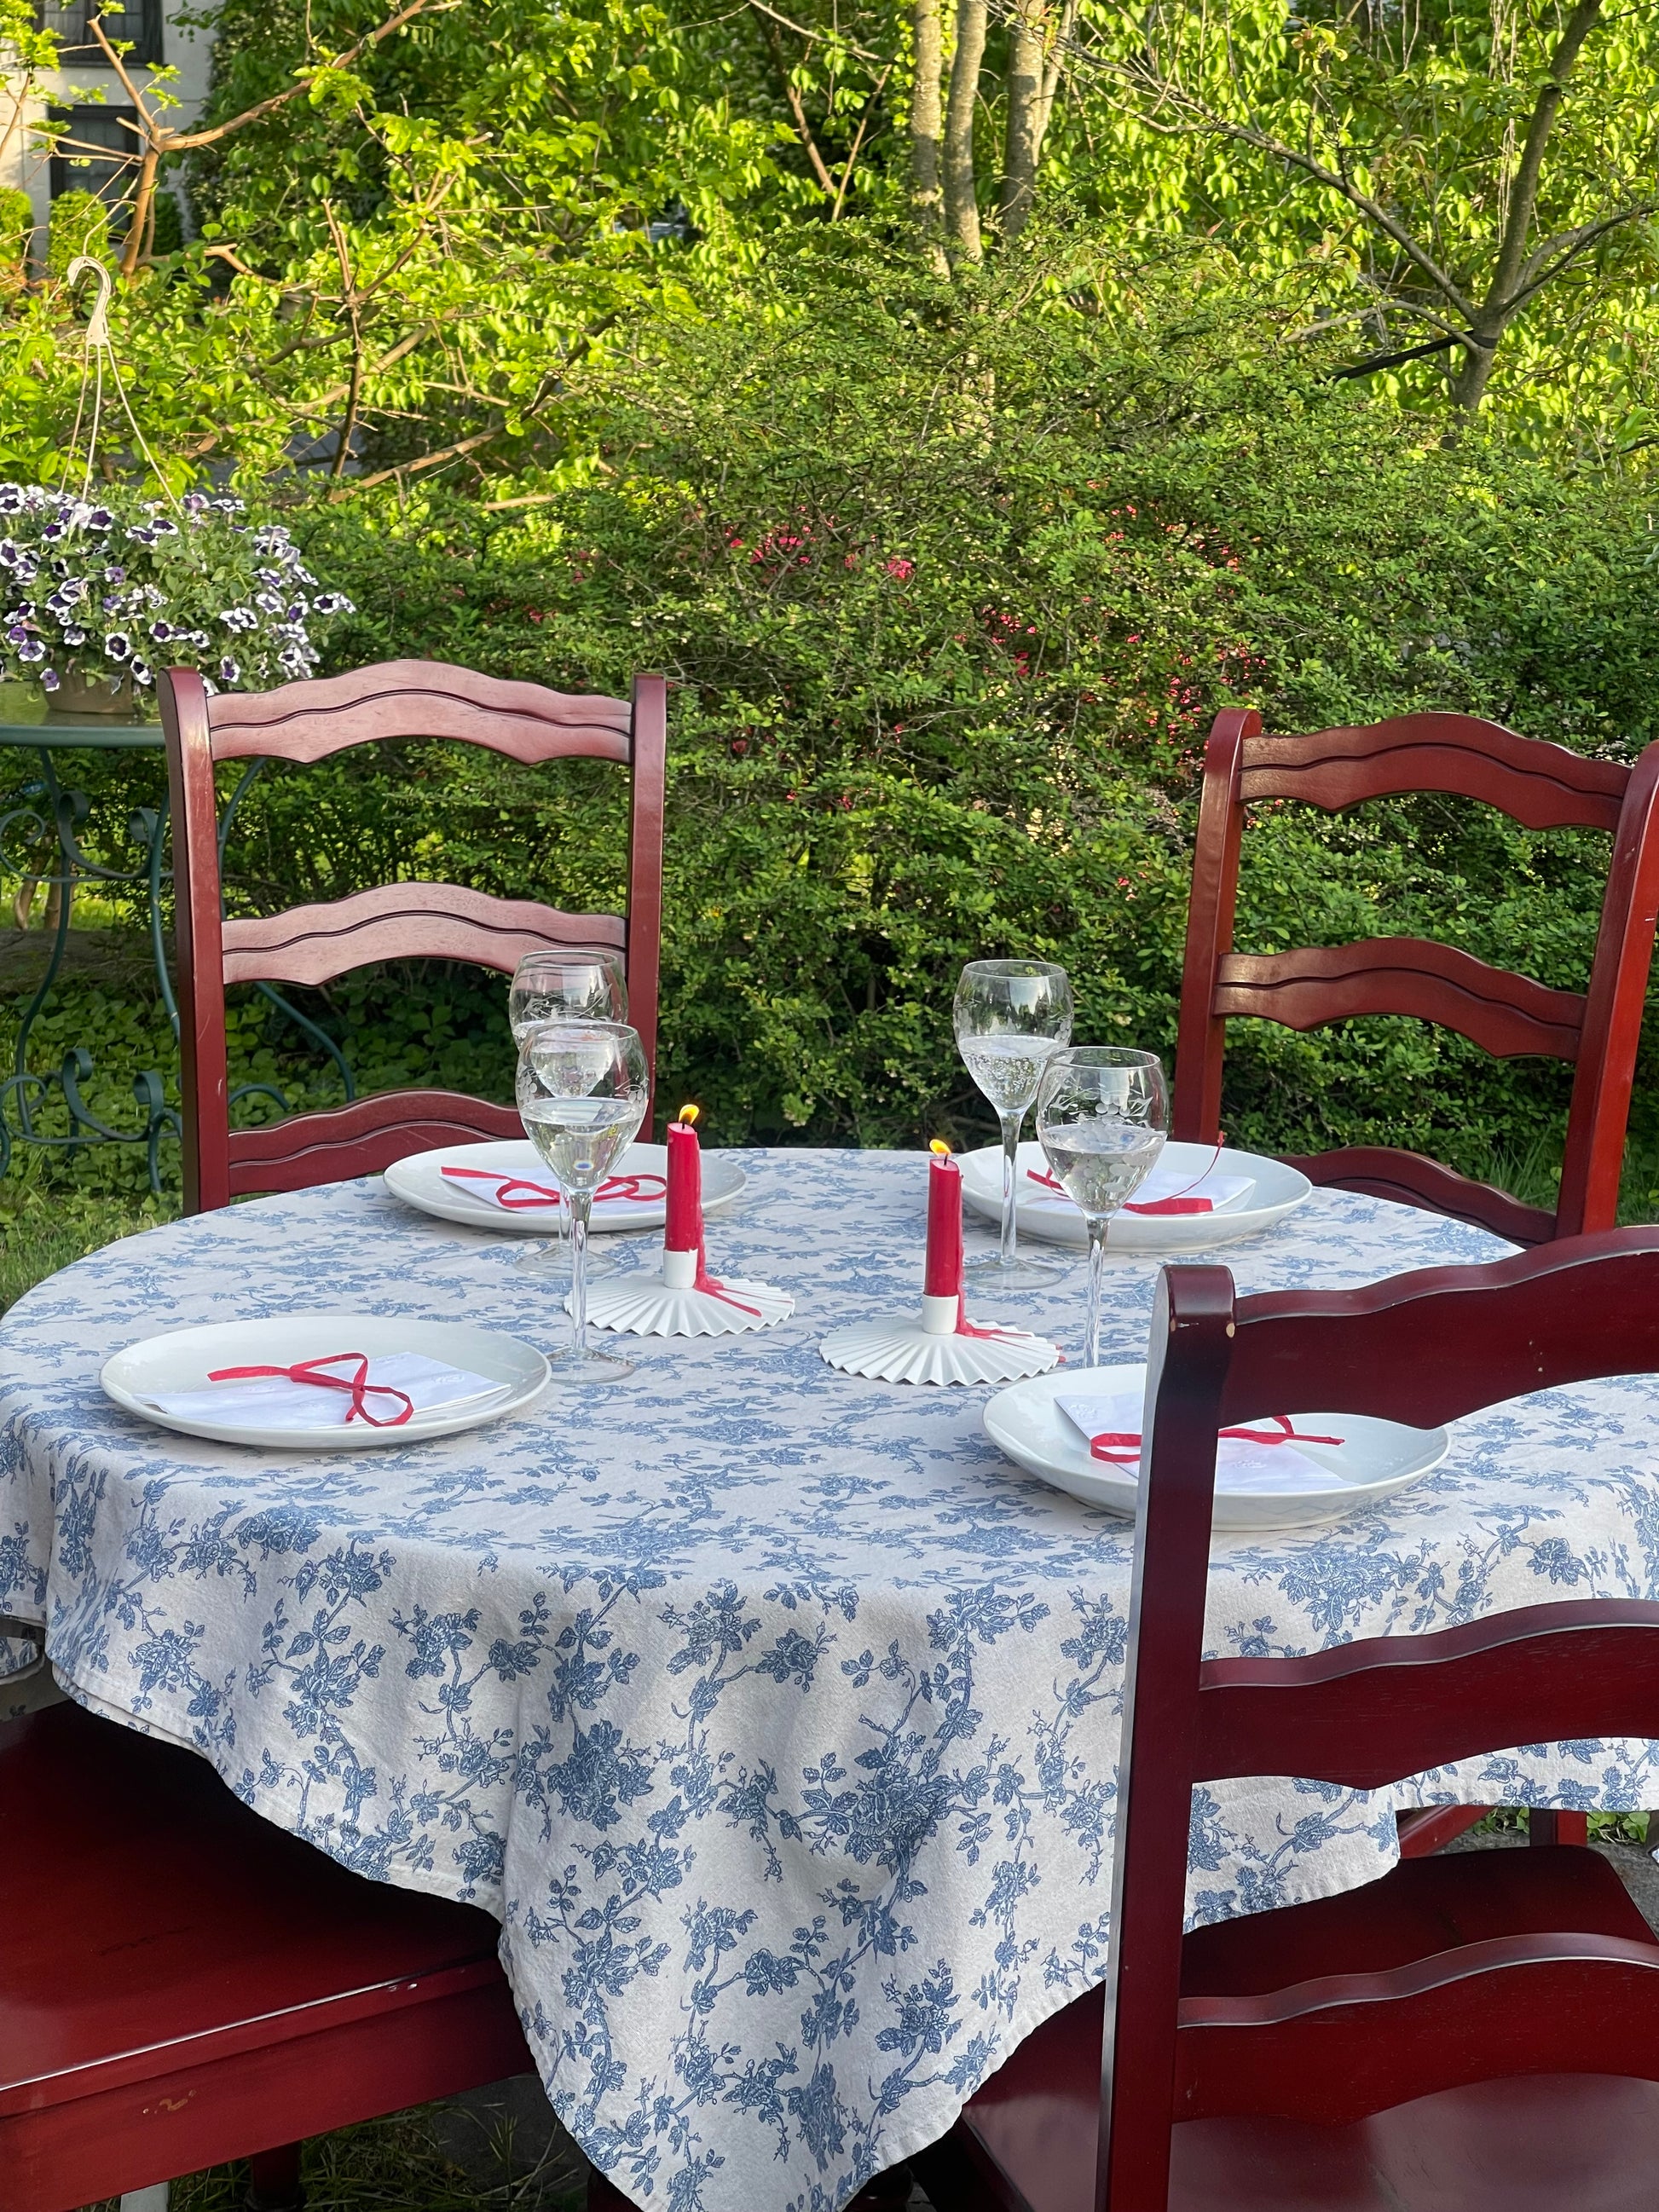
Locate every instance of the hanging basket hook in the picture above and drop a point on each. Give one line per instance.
(84, 265)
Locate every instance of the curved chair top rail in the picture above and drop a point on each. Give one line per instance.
(412, 699)
(1540, 784)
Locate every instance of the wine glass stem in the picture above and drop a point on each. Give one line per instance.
(1010, 1127)
(581, 1203)
(1096, 1224)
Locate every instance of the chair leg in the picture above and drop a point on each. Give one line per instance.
(274, 2181)
(1544, 1828)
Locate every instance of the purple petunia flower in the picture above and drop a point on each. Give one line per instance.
(75, 636)
(114, 575)
(229, 673)
(332, 602)
(31, 650)
(118, 645)
(50, 679)
(161, 631)
(142, 672)
(17, 633)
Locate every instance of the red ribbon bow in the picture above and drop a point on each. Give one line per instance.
(1119, 1449)
(305, 1370)
(1176, 1202)
(630, 1187)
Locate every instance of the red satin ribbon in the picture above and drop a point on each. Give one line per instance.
(305, 1370)
(1118, 1449)
(1176, 1202)
(630, 1187)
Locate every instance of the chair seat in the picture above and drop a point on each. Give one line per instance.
(162, 1947)
(1540, 2144)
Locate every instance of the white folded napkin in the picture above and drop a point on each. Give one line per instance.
(273, 1403)
(1241, 1464)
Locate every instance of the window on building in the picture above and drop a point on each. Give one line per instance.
(138, 25)
(81, 165)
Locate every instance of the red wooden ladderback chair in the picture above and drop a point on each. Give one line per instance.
(307, 721)
(1539, 785)
(1469, 2032)
(182, 1982)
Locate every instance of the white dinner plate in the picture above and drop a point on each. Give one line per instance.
(1375, 1458)
(184, 1358)
(420, 1181)
(1049, 1214)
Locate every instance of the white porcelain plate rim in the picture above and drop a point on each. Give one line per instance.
(1279, 1190)
(419, 1182)
(180, 1360)
(1024, 1422)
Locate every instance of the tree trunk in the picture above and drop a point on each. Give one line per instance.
(1468, 386)
(1025, 138)
(927, 200)
(963, 240)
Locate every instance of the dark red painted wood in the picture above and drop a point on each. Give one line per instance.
(1538, 784)
(182, 1982)
(1507, 1015)
(399, 701)
(1430, 1827)
(1451, 1974)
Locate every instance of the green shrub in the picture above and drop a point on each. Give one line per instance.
(949, 588)
(79, 223)
(16, 224)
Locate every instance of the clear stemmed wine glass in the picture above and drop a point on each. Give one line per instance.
(565, 986)
(1011, 1016)
(1102, 1113)
(582, 1091)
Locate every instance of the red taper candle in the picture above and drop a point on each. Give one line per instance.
(943, 1279)
(683, 1230)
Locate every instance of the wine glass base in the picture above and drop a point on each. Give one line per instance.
(588, 1367)
(984, 1271)
(555, 1251)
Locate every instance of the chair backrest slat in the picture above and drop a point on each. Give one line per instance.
(411, 700)
(311, 945)
(1421, 1349)
(1504, 1013)
(305, 722)
(1540, 784)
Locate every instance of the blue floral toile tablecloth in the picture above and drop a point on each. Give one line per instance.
(773, 1712)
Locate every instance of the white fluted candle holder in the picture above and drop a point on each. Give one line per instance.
(931, 1349)
(669, 1302)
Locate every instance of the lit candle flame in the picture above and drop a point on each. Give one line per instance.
(940, 1146)
(687, 1114)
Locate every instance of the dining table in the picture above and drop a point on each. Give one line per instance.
(772, 1710)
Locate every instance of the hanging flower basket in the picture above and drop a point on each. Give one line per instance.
(98, 593)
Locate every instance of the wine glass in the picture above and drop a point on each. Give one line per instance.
(1102, 1113)
(565, 986)
(1011, 1016)
(582, 1089)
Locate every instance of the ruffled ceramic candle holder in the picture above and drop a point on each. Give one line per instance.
(674, 1303)
(682, 1298)
(941, 1345)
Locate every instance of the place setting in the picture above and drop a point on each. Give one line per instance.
(319, 1381)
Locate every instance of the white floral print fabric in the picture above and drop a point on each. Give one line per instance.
(771, 1710)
